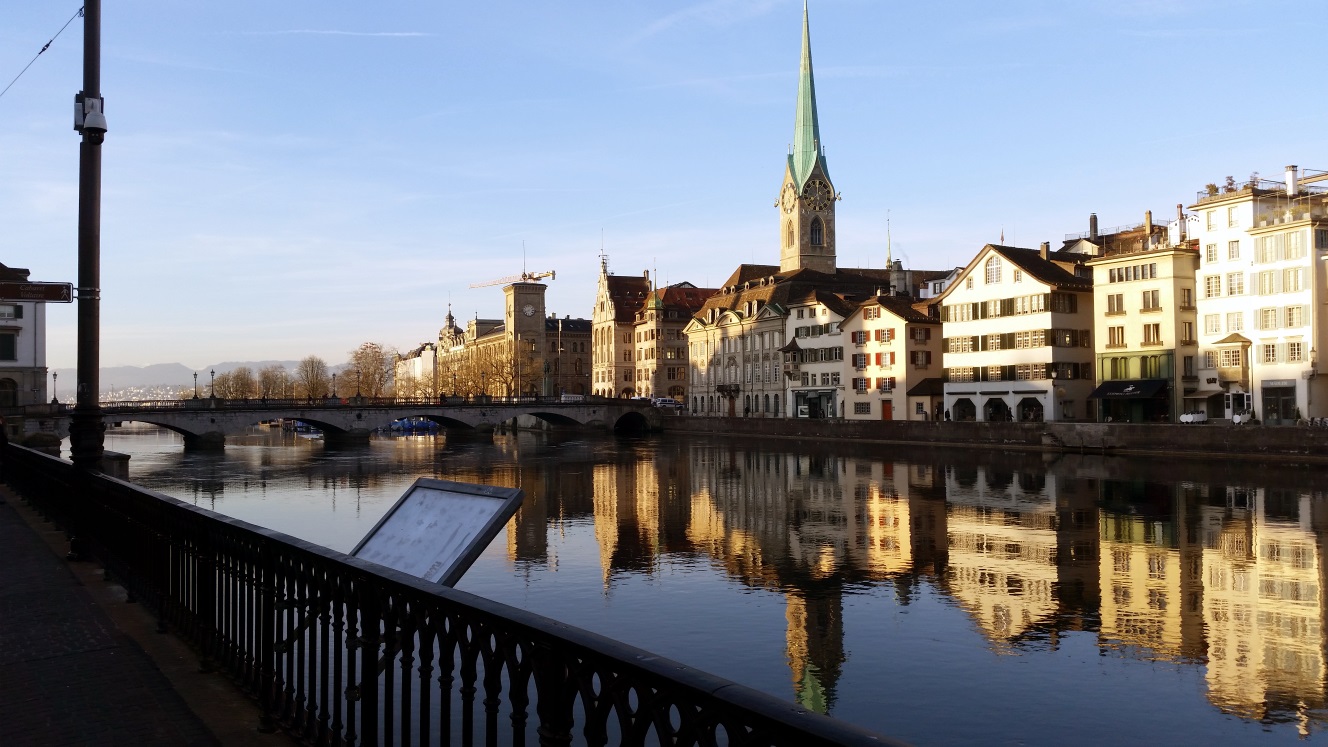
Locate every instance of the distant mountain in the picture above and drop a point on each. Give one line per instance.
(164, 374)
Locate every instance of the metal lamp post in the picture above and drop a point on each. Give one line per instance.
(55, 387)
(86, 429)
(195, 385)
(212, 390)
(357, 382)
(334, 386)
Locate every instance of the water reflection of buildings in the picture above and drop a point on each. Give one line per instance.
(1152, 592)
(1179, 571)
(1262, 572)
(1022, 550)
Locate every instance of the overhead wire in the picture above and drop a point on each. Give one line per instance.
(45, 47)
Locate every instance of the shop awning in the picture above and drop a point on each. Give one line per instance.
(1202, 393)
(1132, 389)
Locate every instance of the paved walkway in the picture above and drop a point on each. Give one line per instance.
(73, 664)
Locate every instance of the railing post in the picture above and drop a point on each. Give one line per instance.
(267, 630)
(554, 697)
(369, 622)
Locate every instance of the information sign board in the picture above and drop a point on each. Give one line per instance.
(49, 292)
(437, 529)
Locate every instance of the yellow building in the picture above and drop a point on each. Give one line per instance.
(1146, 344)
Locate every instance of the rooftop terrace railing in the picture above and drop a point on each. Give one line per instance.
(339, 651)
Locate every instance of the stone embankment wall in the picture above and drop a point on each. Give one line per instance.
(1240, 441)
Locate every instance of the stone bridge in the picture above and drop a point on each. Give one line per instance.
(206, 422)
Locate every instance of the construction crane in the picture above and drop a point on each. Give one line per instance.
(524, 277)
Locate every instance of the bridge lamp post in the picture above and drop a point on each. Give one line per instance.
(357, 382)
(454, 393)
(55, 387)
(195, 385)
(212, 390)
(334, 386)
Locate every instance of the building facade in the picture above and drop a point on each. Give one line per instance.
(1018, 327)
(1144, 317)
(23, 371)
(1260, 304)
(894, 347)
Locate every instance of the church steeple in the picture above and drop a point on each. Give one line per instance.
(806, 130)
(807, 197)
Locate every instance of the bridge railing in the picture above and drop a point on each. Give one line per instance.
(305, 403)
(340, 651)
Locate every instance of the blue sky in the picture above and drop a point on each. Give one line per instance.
(295, 178)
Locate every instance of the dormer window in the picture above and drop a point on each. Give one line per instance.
(818, 232)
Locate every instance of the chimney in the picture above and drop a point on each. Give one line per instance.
(1180, 220)
(1046, 249)
(1291, 173)
(1092, 227)
(1148, 225)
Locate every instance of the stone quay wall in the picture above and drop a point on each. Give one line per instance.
(1220, 438)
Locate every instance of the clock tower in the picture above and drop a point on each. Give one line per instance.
(807, 198)
(526, 333)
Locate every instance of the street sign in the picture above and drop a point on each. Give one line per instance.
(49, 292)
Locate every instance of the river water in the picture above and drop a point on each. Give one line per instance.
(940, 597)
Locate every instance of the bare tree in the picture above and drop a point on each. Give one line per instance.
(223, 385)
(374, 367)
(243, 385)
(275, 382)
(311, 378)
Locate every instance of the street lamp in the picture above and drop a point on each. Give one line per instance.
(334, 386)
(357, 382)
(55, 387)
(195, 385)
(212, 391)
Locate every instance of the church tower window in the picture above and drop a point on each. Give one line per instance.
(788, 233)
(818, 232)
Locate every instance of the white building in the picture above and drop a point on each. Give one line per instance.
(23, 371)
(1018, 336)
(1260, 286)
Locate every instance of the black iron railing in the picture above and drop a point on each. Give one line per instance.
(339, 651)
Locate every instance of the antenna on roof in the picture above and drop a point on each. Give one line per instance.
(889, 249)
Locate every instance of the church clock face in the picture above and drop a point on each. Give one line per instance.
(789, 198)
(528, 310)
(818, 195)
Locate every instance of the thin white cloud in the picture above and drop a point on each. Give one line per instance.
(334, 32)
(712, 13)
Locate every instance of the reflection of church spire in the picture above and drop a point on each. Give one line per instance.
(815, 643)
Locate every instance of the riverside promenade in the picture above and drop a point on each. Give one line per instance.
(79, 665)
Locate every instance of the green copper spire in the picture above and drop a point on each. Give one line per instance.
(806, 131)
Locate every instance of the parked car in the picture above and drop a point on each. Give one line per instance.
(667, 403)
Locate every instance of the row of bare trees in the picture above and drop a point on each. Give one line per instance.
(369, 374)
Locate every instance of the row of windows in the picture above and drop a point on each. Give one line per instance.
(1266, 282)
(919, 358)
(745, 343)
(1061, 303)
(827, 378)
(1060, 338)
(1150, 300)
(816, 355)
(1269, 352)
(816, 330)
(862, 384)
(1152, 335)
(1265, 318)
(1146, 271)
(1023, 372)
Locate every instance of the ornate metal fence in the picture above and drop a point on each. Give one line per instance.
(338, 651)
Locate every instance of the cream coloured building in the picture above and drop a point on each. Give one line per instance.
(894, 353)
(1144, 315)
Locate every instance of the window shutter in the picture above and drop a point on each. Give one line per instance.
(18, 311)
